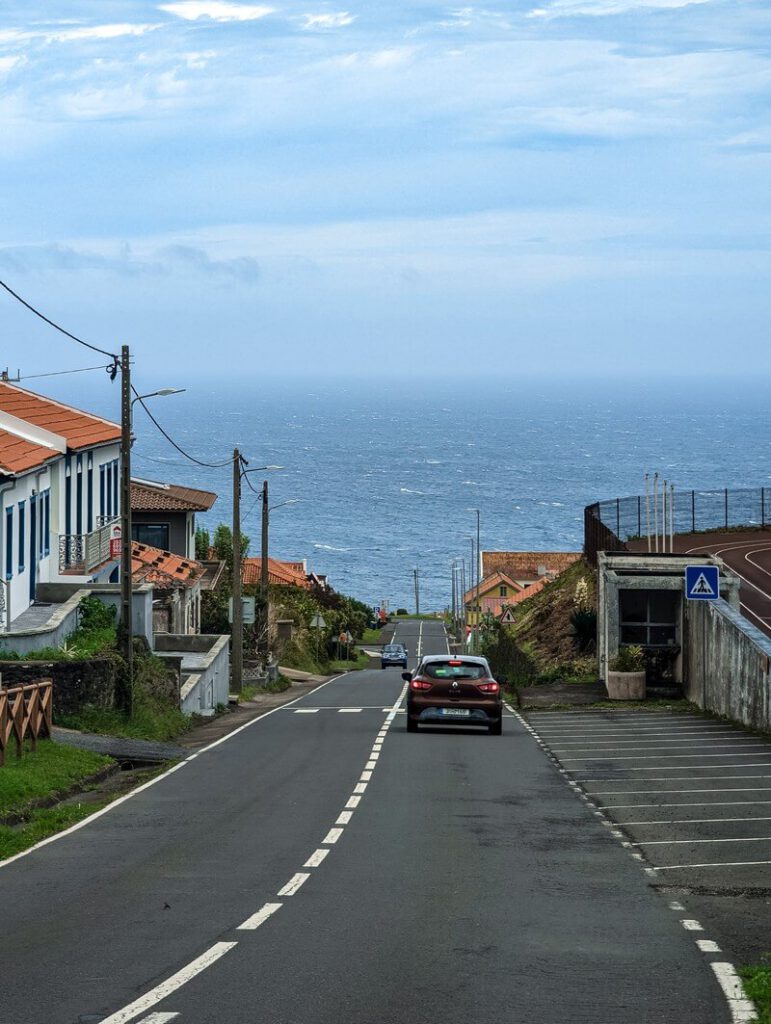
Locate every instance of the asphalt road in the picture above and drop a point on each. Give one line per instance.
(322, 866)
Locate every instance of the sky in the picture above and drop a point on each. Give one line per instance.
(534, 188)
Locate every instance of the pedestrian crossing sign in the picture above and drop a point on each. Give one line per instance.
(702, 582)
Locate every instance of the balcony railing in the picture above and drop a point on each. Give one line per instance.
(84, 552)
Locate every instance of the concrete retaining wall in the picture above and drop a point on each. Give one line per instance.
(108, 593)
(206, 679)
(728, 664)
(76, 684)
(62, 623)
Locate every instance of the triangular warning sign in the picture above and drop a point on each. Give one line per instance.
(702, 587)
(508, 617)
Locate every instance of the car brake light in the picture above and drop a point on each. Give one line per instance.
(489, 687)
(454, 662)
(419, 684)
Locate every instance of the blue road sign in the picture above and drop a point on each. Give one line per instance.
(702, 582)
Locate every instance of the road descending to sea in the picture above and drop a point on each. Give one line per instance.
(322, 866)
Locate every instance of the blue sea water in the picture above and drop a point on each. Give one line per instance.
(386, 475)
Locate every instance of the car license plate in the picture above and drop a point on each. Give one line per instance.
(456, 712)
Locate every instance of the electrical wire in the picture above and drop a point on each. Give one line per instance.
(60, 373)
(173, 443)
(51, 323)
(250, 484)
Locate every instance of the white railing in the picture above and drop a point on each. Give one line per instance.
(84, 552)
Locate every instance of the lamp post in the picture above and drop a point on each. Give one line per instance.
(126, 440)
(478, 568)
(237, 633)
(264, 593)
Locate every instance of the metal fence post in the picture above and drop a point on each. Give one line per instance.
(763, 507)
(726, 508)
(618, 518)
(693, 511)
(639, 516)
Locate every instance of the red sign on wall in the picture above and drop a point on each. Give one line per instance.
(115, 539)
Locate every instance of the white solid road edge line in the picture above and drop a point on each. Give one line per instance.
(260, 917)
(158, 778)
(155, 995)
(742, 1009)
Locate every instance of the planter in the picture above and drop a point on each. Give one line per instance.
(626, 685)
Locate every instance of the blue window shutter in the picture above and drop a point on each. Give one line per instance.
(22, 535)
(9, 543)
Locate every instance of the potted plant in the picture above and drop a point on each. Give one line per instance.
(626, 674)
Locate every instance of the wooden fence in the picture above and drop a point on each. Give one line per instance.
(25, 713)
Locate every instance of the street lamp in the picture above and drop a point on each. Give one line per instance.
(126, 589)
(237, 634)
(264, 595)
(478, 581)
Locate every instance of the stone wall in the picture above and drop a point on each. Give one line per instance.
(75, 683)
(728, 664)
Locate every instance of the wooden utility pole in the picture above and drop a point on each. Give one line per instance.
(237, 633)
(265, 615)
(127, 626)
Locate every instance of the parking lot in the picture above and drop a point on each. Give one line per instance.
(690, 794)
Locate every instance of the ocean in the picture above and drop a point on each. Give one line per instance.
(385, 476)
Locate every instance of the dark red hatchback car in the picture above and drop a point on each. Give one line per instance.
(446, 690)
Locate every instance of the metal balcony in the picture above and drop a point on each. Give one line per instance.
(82, 553)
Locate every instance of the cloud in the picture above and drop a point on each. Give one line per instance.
(338, 20)
(216, 10)
(178, 260)
(600, 8)
(99, 32)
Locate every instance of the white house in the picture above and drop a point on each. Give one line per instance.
(59, 496)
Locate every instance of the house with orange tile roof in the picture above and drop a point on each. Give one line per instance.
(280, 574)
(163, 515)
(495, 592)
(176, 583)
(59, 496)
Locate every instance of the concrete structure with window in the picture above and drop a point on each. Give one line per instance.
(163, 515)
(59, 497)
(641, 601)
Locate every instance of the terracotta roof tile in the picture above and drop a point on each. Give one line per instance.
(153, 565)
(279, 573)
(79, 429)
(17, 455)
(148, 496)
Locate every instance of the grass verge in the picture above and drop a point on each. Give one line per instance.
(757, 984)
(42, 823)
(52, 769)
(279, 686)
(361, 661)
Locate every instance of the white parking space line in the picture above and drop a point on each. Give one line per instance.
(665, 757)
(696, 778)
(294, 884)
(604, 733)
(732, 789)
(690, 821)
(700, 842)
(155, 995)
(714, 864)
(671, 767)
(262, 915)
(704, 803)
(740, 742)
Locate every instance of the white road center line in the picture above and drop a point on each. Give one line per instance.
(158, 1018)
(305, 711)
(348, 711)
(353, 801)
(676, 905)
(370, 765)
(742, 1009)
(360, 787)
(155, 995)
(294, 884)
(708, 946)
(260, 917)
(691, 925)
(332, 836)
(344, 817)
(365, 776)
(315, 858)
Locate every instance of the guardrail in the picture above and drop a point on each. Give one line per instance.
(25, 713)
(609, 524)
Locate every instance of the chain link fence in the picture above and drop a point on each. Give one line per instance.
(608, 525)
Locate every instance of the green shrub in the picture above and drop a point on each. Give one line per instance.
(584, 624)
(630, 658)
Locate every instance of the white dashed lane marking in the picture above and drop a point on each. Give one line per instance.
(262, 915)
(158, 1018)
(294, 884)
(315, 858)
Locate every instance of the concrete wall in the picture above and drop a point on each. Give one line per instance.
(208, 685)
(181, 528)
(728, 664)
(63, 621)
(108, 593)
(76, 684)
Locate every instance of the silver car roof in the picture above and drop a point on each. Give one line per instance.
(472, 658)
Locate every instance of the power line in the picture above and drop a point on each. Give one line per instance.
(173, 443)
(57, 327)
(61, 373)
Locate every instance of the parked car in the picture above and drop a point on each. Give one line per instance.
(446, 690)
(393, 654)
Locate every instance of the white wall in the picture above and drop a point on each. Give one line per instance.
(51, 479)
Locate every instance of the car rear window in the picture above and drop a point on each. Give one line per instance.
(393, 648)
(446, 670)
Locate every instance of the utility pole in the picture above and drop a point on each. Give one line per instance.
(125, 512)
(479, 580)
(237, 634)
(265, 624)
(416, 573)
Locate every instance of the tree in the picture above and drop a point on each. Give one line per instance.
(202, 544)
(223, 545)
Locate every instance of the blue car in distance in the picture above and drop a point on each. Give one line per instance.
(393, 654)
